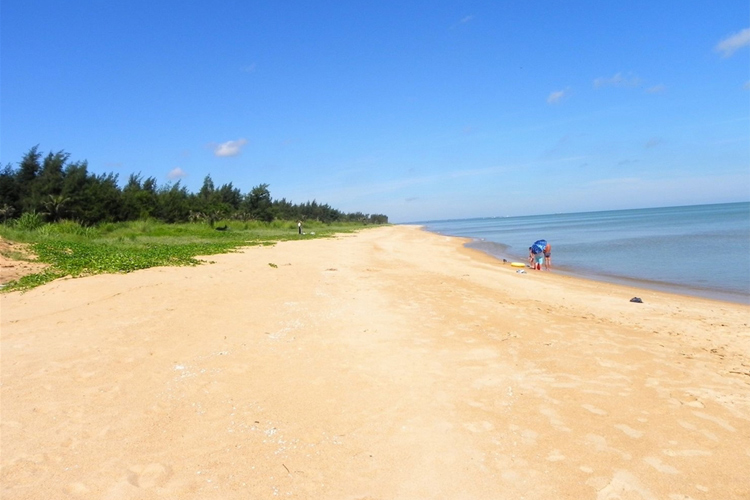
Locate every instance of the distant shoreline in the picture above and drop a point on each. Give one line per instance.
(671, 288)
(703, 293)
(694, 250)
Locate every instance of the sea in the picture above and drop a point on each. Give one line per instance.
(698, 250)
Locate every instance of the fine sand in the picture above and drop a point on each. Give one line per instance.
(390, 364)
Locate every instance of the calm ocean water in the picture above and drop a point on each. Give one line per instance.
(701, 250)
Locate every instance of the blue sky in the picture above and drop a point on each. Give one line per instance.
(418, 110)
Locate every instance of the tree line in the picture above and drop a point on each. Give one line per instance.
(57, 189)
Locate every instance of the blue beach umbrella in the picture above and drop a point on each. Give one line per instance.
(538, 246)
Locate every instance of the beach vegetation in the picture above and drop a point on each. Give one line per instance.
(80, 223)
(70, 248)
(28, 221)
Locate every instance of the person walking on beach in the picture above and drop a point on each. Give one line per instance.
(548, 257)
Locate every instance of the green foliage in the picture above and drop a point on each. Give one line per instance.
(74, 228)
(29, 221)
(54, 206)
(58, 189)
(73, 249)
(33, 281)
(258, 203)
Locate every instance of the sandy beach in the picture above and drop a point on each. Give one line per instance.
(388, 364)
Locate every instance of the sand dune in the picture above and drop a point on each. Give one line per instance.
(390, 364)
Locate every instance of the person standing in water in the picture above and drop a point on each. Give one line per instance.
(537, 253)
(548, 257)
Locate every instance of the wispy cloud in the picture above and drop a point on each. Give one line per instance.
(653, 142)
(618, 80)
(732, 43)
(747, 85)
(557, 96)
(230, 148)
(626, 162)
(649, 191)
(250, 68)
(616, 181)
(464, 20)
(357, 191)
(733, 140)
(176, 173)
(656, 89)
(558, 147)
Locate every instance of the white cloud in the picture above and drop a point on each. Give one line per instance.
(730, 44)
(466, 19)
(176, 173)
(557, 96)
(617, 81)
(747, 85)
(230, 148)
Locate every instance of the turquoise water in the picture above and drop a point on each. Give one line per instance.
(701, 250)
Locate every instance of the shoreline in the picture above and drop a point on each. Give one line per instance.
(673, 288)
(389, 363)
(624, 287)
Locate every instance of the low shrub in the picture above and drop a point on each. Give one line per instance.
(29, 221)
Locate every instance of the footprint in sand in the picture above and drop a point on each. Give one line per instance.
(76, 489)
(479, 426)
(593, 409)
(718, 421)
(527, 436)
(622, 485)
(629, 431)
(687, 425)
(657, 464)
(687, 453)
(554, 419)
(149, 476)
(692, 427)
(600, 443)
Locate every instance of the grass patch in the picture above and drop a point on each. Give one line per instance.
(17, 255)
(73, 250)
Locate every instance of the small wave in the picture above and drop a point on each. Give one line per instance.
(497, 250)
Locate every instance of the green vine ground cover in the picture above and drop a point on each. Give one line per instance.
(73, 250)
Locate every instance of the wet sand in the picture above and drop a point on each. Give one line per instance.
(393, 363)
